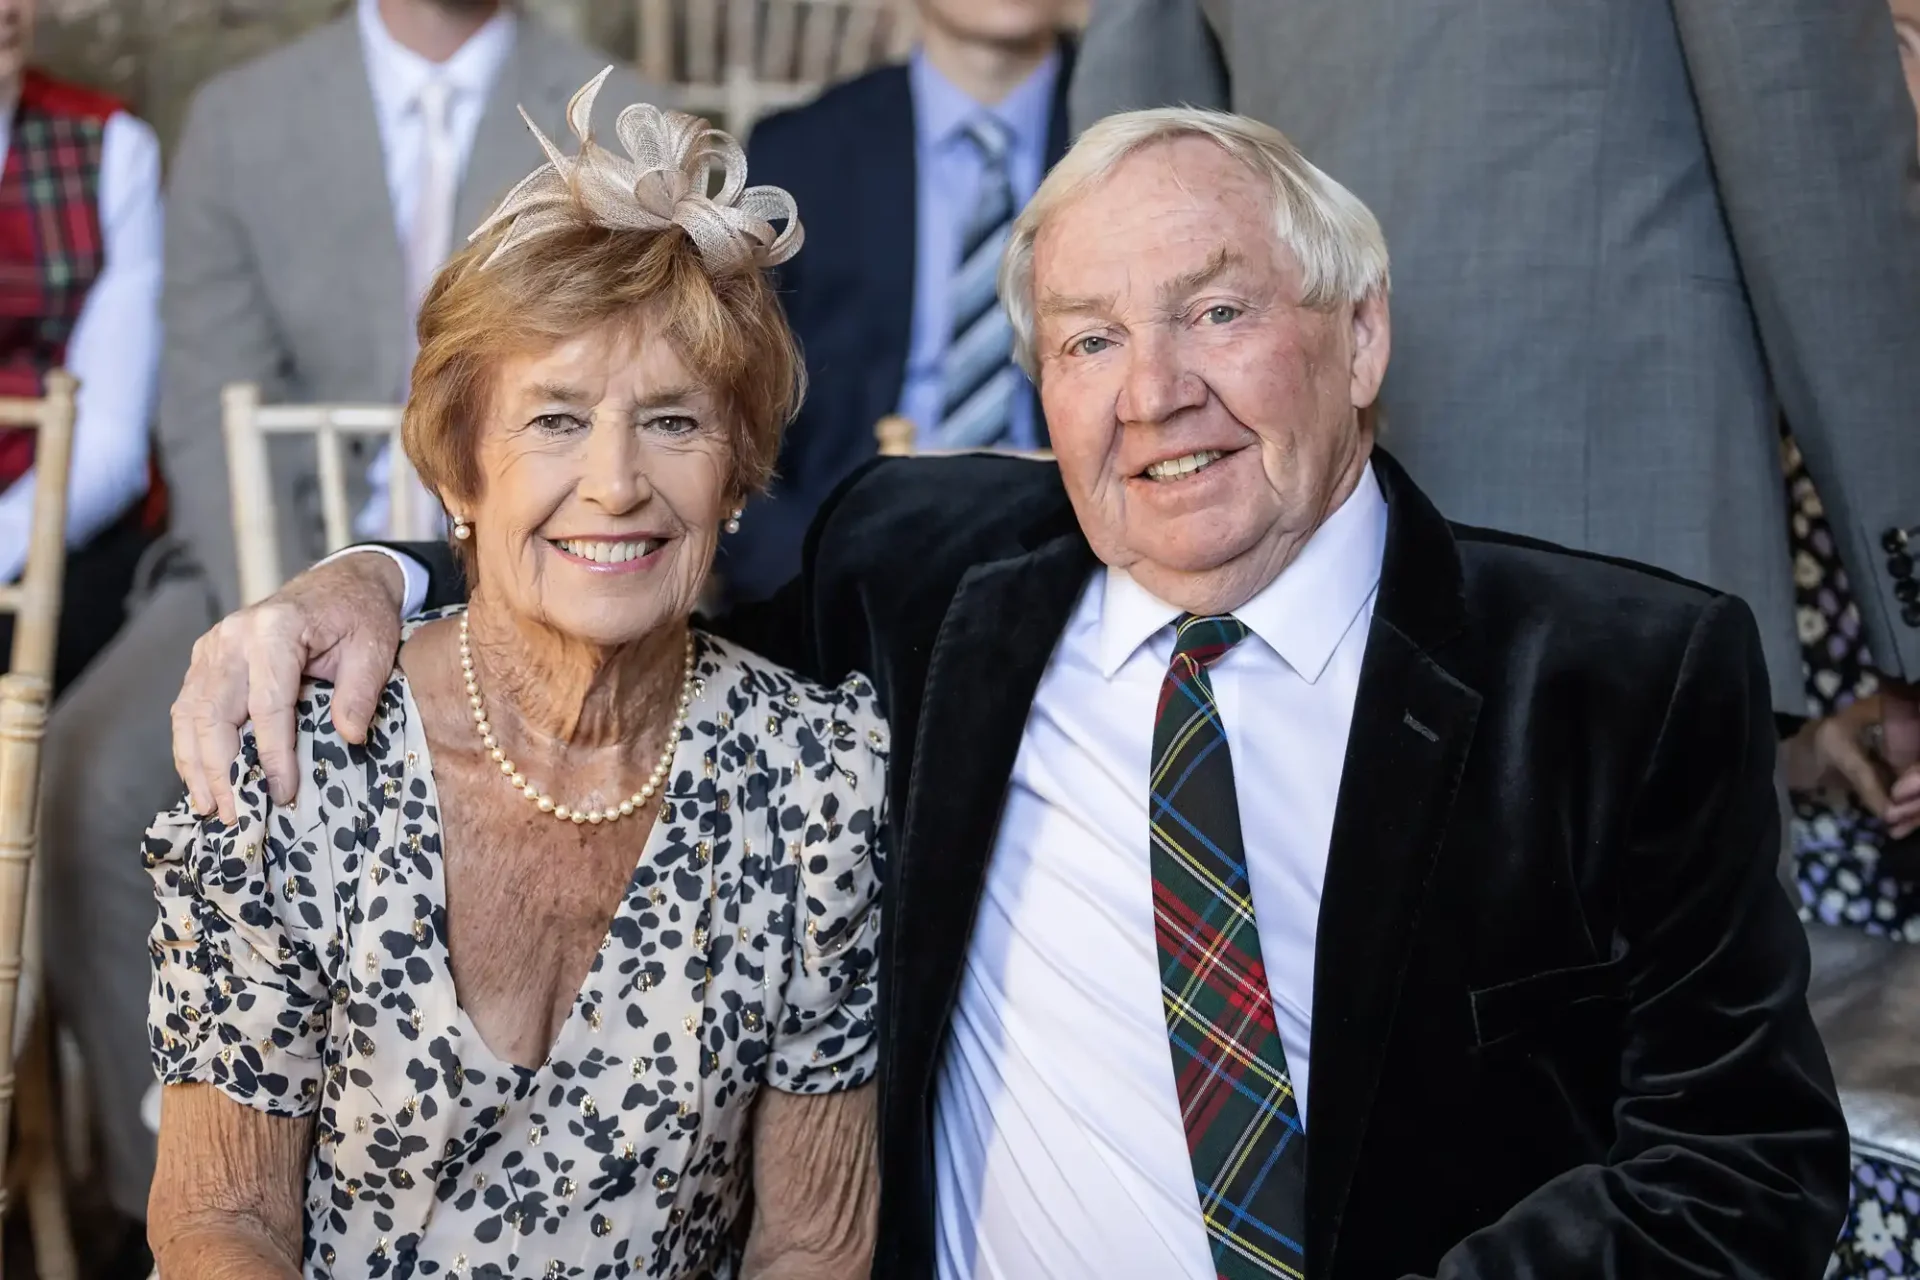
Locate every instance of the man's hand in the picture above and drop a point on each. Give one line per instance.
(1870, 749)
(338, 622)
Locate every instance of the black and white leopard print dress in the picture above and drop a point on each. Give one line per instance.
(300, 966)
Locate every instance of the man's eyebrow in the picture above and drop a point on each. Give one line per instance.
(1066, 304)
(1173, 292)
(1178, 289)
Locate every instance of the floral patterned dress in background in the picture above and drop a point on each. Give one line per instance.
(1838, 853)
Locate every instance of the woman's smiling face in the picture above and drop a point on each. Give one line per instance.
(604, 468)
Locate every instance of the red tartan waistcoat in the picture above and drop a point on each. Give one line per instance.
(51, 246)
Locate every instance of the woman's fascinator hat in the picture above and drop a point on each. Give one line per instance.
(666, 179)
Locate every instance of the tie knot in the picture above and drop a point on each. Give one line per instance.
(991, 136)
(1206, 639)
(432, 101)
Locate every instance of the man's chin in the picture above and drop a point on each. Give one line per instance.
(1217, 583)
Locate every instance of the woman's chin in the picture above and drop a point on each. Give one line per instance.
(610, 628)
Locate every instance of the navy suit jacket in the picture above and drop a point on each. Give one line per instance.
(849, 160)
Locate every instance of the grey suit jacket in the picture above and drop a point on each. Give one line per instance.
(1626, 235)
(283, 265)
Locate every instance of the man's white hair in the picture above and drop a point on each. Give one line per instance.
(1334, 237)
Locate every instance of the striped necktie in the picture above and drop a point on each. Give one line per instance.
(978, 376)
(1243, 1128)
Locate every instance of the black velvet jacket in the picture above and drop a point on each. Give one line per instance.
(1559, 1017)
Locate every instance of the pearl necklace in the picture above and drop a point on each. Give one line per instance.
(543, 801)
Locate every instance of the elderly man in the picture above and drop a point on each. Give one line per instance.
(1237, 770)
(1671, 222)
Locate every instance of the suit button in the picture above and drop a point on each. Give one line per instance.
(1893, 541)
(1900, 565)
(1907, 590)
(1911, 615)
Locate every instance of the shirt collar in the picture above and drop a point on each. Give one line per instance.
(398, 73)
(1301, 615)
(942, 109)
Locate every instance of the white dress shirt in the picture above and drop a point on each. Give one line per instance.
(114, 350)
(1058, 1146)
(397, 76)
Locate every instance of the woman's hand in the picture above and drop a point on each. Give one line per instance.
(1870, 750)
(339, 622)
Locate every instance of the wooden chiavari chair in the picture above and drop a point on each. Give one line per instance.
(895, 436)
(734, 61)
(28, 1130)
(248, 423)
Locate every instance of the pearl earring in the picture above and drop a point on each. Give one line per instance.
(461, 529)
(733, 521)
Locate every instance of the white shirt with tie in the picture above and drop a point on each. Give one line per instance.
(114, 349)
(424, 165)
(1058, 1147)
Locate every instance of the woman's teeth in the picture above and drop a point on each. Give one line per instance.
(608, 552)
(1174, 468)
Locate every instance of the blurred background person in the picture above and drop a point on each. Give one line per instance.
(912, 176)
(313, 194)
(1859, 879)
(80, 230)
(1627, 237)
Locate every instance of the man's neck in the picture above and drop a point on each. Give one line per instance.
(985, 72)
(10, 94)
(434, 31)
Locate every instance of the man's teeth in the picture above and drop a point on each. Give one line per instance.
(1174, 468)
(608, 552)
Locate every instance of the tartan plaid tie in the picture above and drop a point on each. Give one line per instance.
(1236, 1097)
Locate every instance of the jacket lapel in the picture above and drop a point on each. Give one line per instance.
(349, 162)
(1413, 722)
(992, 647)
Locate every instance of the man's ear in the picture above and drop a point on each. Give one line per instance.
(1372, 344)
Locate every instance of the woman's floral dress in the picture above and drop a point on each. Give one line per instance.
(300, 966)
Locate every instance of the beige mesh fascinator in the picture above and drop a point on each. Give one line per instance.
(664, 180)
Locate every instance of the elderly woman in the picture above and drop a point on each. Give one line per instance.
(577, 950)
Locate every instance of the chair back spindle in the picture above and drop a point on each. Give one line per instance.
(25, 692)
(896, 437)
(248, 424)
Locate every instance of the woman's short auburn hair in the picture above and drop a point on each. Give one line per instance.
(726, 326)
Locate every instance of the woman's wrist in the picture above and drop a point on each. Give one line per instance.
(233, 1249)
